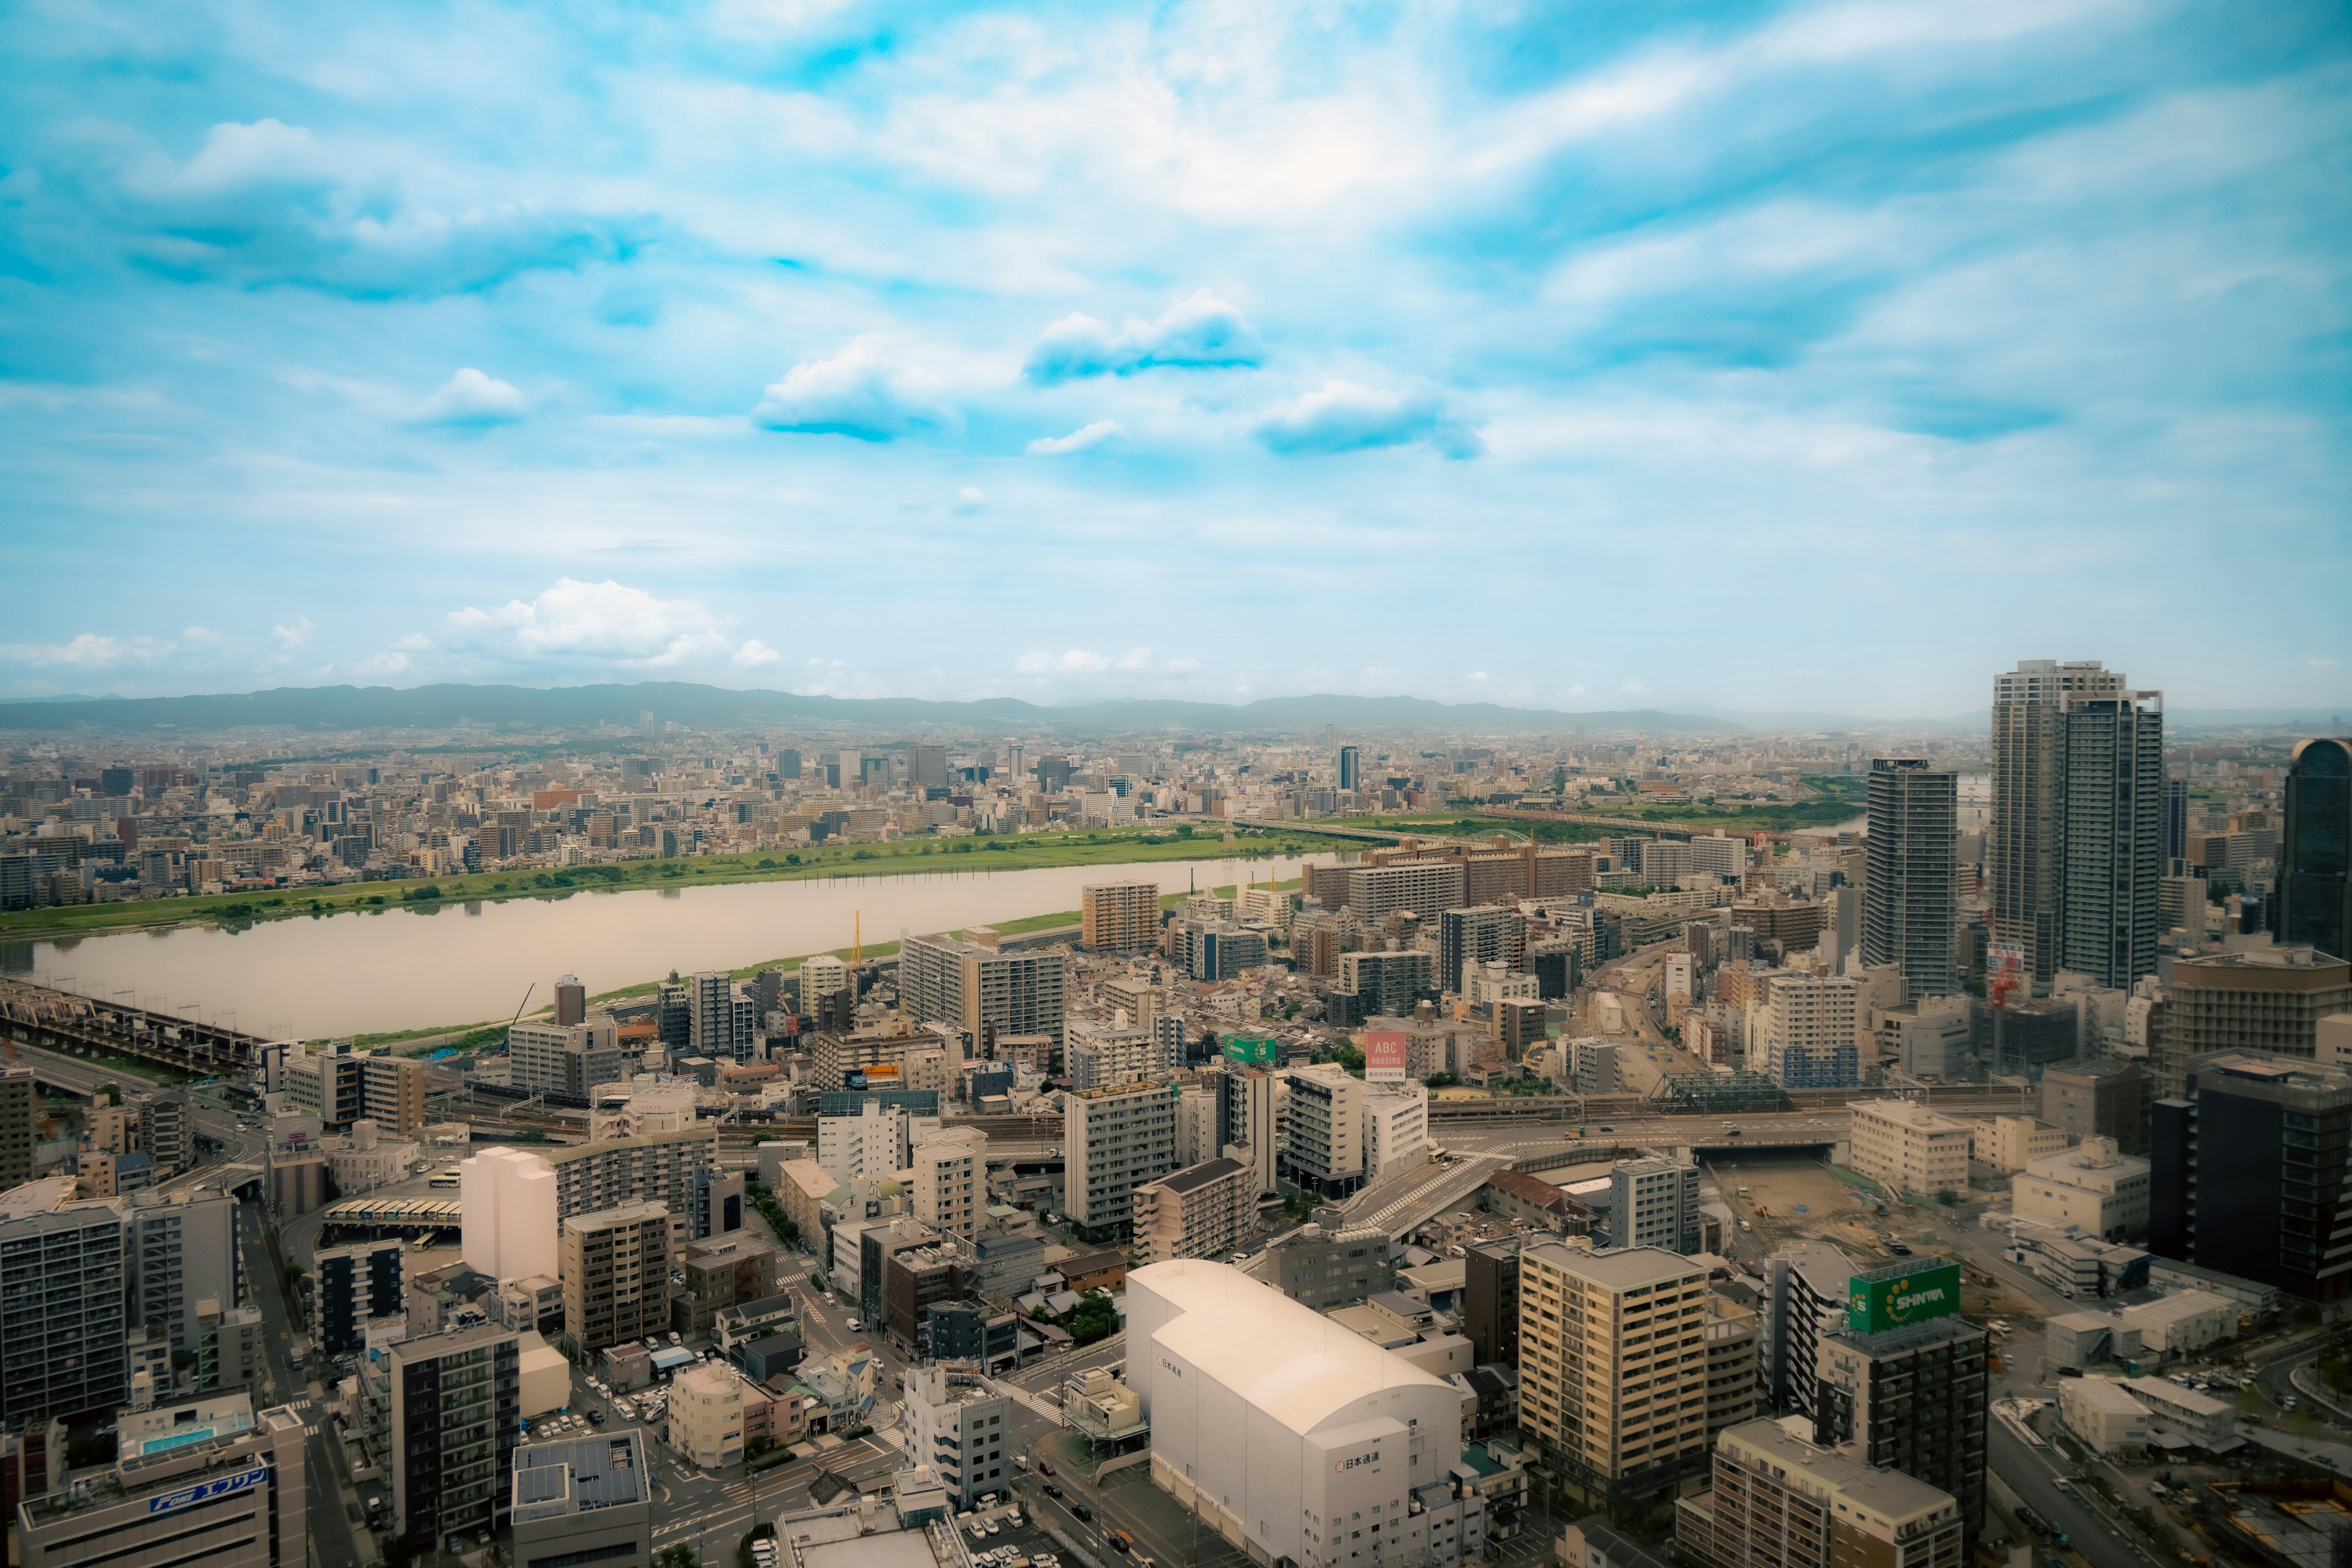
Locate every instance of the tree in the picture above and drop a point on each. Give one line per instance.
(678, 1556)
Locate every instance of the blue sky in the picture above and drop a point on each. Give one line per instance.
(1819, 355)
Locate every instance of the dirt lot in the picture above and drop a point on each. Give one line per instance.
(1790, 1197)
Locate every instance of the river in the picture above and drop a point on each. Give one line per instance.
(414, 968)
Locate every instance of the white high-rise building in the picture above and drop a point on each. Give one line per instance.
(1324, 1136)
(1718, 853)
(951, 1179)
(1396, 1128)
(509, 1199)
(1807, 1037)
(1100, 1054)
(875, 1143)
(1653, 1202)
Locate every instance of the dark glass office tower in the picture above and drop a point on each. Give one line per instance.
(2315, 893)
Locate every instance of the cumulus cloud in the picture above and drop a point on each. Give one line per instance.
(293, 635)
(1072, 661)
(1077, 440)
(90, 650)
(756, 655)
(1634, 689)
(1203, 332)
(970, 499)
(864, 392)
(471, 399)
(604, 622)
(1345, 417)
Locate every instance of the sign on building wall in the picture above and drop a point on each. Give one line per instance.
(1251, 1050)
(205, 1491)
(1892, 1300)
(1385, 1055)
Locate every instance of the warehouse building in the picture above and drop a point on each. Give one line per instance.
(1291, 1436)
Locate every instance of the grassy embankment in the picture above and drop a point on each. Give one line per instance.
(981, 853)
(1839, 797)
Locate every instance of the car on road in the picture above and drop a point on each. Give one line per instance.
(1082, 1513)
(1052, 1492)
(1044, 1468)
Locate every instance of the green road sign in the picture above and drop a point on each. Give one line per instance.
(1891, 1298)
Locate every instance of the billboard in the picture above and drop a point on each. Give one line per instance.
(1385, 1055)
(2005, 957)
(1251, 1050)
(1893, 1299)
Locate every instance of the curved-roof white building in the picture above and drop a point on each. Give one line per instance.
(1294, 1436)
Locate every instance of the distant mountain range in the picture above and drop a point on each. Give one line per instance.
(583, 707)
(715, 707)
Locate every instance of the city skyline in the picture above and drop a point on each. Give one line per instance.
(1084, 355)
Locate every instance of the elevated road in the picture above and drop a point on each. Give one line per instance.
(75, 1025)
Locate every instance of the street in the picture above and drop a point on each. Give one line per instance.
(2032, 1474)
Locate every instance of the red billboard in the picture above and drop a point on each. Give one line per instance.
(1385, 1053)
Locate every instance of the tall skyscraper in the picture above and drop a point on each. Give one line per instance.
(1352, 767)
(2022, 849)
(2175, 820)
(2314, 892)
(1910, 904)
(2110, 834)
(457, 1404)
(2251, 1167)
(62, 1331)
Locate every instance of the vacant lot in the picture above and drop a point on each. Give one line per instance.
(1790, 1197)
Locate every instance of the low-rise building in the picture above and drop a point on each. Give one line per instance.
(2202, 1419)
(1908, 1148)
(586, 1500)
(1202, 1211)
(2098, 1411)
(2184, 1323)
(958, 1429)
(706, 1416)
(2095, 1189)
(2010, 1143)
(1777, 1498)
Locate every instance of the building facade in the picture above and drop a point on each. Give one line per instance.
(2314, 869)
(1909, 1147)
(2250, 1172)
(1910, 903)
(457, 1420)
(1114, 1140)
(1202, 1211)
(2110, 834)
(2023, 842)
(1120, 917)
(615, 1270)
(1612, 1369)
(2268, 1000)
(1776, 1498)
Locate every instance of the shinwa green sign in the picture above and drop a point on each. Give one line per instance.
(1890, 1297)
(1250, 1050)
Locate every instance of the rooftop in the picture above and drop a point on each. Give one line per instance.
(1272, 1353)
(1622, 1268)
(1200, 1175)
(554, 1480)
(1890, 1494)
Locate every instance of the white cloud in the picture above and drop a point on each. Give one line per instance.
(1634, 689)
(1077, 440)
(1475, 675)
(970, 499)
(604, 621)
(756, 655)
(1203, 332)
(392, 661)
(87, 651)
(1345, 417)
(864, 392)
(1077, 660)
(295, 635)
(471, 399)
(1576, 689)
(1135, 658)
